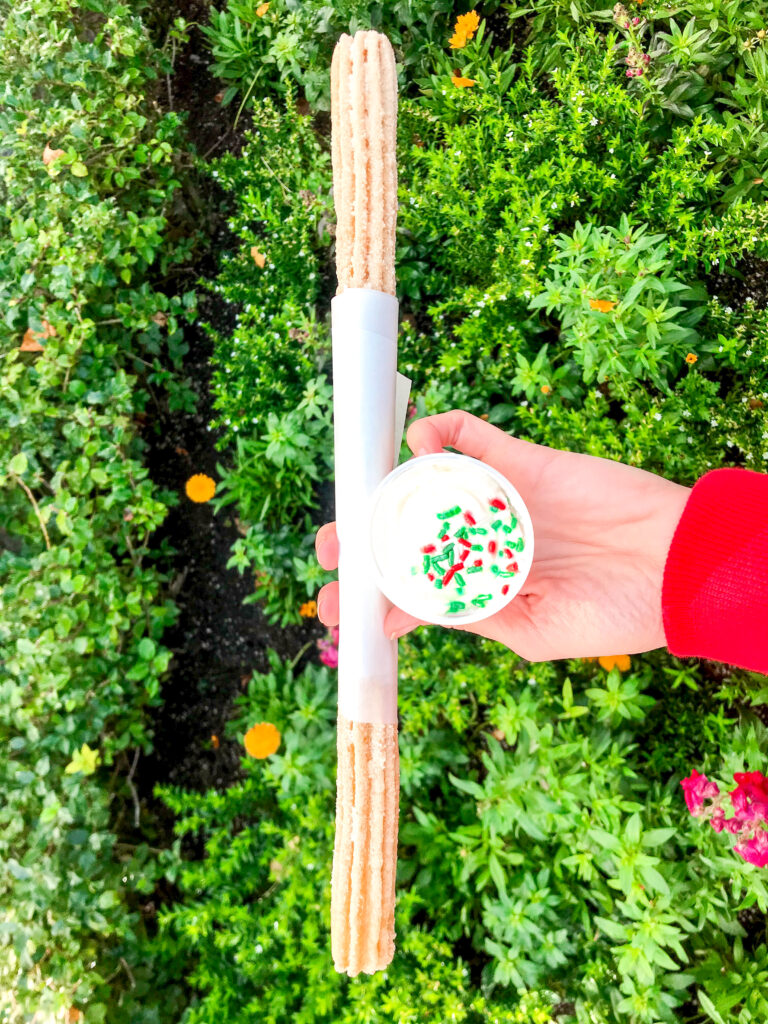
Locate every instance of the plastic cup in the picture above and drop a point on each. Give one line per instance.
(451, 539)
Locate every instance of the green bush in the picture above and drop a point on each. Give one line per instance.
(542, 825)
(559, 231)
(87, 175)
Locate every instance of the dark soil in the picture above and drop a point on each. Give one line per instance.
(217, 641)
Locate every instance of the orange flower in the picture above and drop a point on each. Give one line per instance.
(262, 740)
(457, 41)
(462, 83)
(619, 661)
(214, 741)
(602, 305)
(258, 257)
(200, 488)
(691, 358)
(308, 610)
(466, 26)
(758, 181)
(546, 389)
(74, 1015)
(261, 10)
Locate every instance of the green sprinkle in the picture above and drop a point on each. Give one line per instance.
(455, 606)
(450, 512)
(460, 591)
(506, 574)
(520, 544)
(479, 529)
(474, 568)
(513, 522)
(438, 584)
(461, 533)
(438, 567)
(495, 570)
(448, 552)
(507, 529)
(496, 524)
(427, 563)
(441, 533)
(476, 547)
(481, 600)
(460, 581)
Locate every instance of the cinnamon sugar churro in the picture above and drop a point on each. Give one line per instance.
(364, 118)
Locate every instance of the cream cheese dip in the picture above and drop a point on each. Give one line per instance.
(451, 539)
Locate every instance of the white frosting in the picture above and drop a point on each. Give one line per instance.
(407, 518)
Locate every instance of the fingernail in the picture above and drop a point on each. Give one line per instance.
(320, 609)
(423, 451)
(399, 632)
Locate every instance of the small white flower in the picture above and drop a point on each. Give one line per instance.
(713, 423)
(657, 415)
(593, 121)
(524, 263)
(524, 405)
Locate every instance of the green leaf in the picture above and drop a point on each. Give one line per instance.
(79, 169)
(612, 929)
(708, 1006)
(147, 648)
(85, 761)
(18, 464)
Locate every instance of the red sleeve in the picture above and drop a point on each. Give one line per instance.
(715, 590)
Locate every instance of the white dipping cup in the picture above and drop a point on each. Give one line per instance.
(409, 500)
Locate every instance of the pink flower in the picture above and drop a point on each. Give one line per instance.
(329, 655)
(411, 411)
(635, 21)
(335, 635)
(697, 789)
(755, 850)
(717, 821)
(750, 798)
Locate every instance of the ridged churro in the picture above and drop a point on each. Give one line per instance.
(363, 150)
(363, 135)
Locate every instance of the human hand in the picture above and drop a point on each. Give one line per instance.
(602, 531)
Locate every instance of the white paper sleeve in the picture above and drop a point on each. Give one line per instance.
(364, 332)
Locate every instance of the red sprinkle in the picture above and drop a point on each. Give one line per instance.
(449, 575)
(430, 576)
(469, 518)
(428, 549)
(492, 546)
(478, 561)
(507, 552)
(496, 503)
(512, 567)
(444, 537)
(505, 589)
(465, 543)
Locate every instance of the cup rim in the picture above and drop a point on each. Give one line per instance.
(520, 509)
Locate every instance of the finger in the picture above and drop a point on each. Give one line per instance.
(328, 604)
(473, 436)
(398, 623)
(327, 546)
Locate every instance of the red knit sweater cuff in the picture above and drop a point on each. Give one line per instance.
(715, 590)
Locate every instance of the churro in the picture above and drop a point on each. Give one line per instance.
(363, 135)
